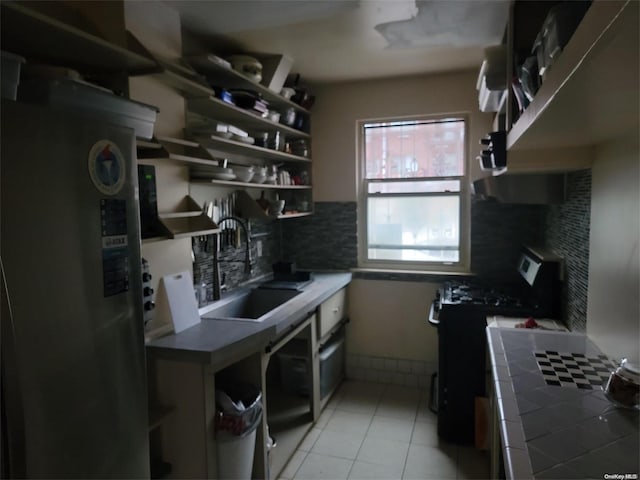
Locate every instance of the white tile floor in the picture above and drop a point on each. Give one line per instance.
(375, 431)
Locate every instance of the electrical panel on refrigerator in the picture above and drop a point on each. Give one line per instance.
(149, 223)
(148, 305)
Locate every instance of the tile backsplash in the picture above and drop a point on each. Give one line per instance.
(562, 228)
(328, 240)
(567, 234)
(232, 258)
(498, 231)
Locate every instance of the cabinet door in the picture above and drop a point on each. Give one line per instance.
(331, 312)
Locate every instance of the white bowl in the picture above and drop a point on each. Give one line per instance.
(258, 178)
(244, 168)
(276, 207)
(274, 116)
(249, 66)
(243, 176)
(287, 92)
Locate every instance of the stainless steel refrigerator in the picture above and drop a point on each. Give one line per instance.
(74, 401)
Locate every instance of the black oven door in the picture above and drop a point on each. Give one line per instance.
(461, 370)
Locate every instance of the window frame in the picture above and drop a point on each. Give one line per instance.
(463, 264)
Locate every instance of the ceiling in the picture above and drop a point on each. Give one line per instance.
(339, 40)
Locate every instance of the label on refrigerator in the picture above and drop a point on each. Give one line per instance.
(115, 246)
(106, 167)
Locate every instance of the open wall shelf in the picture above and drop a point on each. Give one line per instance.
(29, 32)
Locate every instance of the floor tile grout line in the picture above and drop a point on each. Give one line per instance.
(365, 436)
(380, 395)
(365, 433)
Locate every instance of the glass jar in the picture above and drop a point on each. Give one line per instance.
(276, 142)
(623, 386)
(290, 116)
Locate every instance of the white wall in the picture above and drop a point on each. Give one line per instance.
(388, 318)
(339, 106)
(157, 27)
(613, 306)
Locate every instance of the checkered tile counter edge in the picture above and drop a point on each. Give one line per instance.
(573, 369)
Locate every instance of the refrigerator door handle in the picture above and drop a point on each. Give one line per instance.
(13, 441)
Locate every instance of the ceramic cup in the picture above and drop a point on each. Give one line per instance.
(277, 207)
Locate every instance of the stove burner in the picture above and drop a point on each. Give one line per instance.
(483, 296)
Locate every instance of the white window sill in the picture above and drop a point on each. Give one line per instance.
(401, 275)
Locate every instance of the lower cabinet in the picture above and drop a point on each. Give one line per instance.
(296, 375)
(292, 392)
(188, 435)
(301, 376)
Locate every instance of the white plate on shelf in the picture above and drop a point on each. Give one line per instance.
(213, 176)
(225, 135)
(247, 140)
(223, 176)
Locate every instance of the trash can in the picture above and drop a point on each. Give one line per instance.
(239, 411)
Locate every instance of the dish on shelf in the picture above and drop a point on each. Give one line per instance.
(248, 66)
(243, 168)
(247, 140)
(243, 175)
(223, 176)
(209, 175)
(258, 178)
(225, 135)
(209, 169)
(274, 116)
(287, 92)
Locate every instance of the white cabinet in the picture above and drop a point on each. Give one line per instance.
(331, 313)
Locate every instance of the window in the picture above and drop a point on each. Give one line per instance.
(414, 195)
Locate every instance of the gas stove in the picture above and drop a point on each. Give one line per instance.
(460, 312)
(496, 300)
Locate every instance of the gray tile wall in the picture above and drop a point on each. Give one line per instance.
(567, 234)
(232, 258)
(498, 232)
(326, 240)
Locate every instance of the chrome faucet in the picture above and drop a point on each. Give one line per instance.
(247, 257)
(248, 262)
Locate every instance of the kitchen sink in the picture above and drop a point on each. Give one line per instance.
(253, 305)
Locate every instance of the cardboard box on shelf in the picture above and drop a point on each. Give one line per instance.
(275, 69)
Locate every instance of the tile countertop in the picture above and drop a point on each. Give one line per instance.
(551, 431)
(213, 340)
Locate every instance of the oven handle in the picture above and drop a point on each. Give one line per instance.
(433, 314)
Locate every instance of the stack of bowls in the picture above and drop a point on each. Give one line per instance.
(212, 171)
(259, 175)
(244, 174)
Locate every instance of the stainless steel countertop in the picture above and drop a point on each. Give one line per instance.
(553, 431)
(212, 340)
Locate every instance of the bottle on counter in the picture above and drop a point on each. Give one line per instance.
(201, 291)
